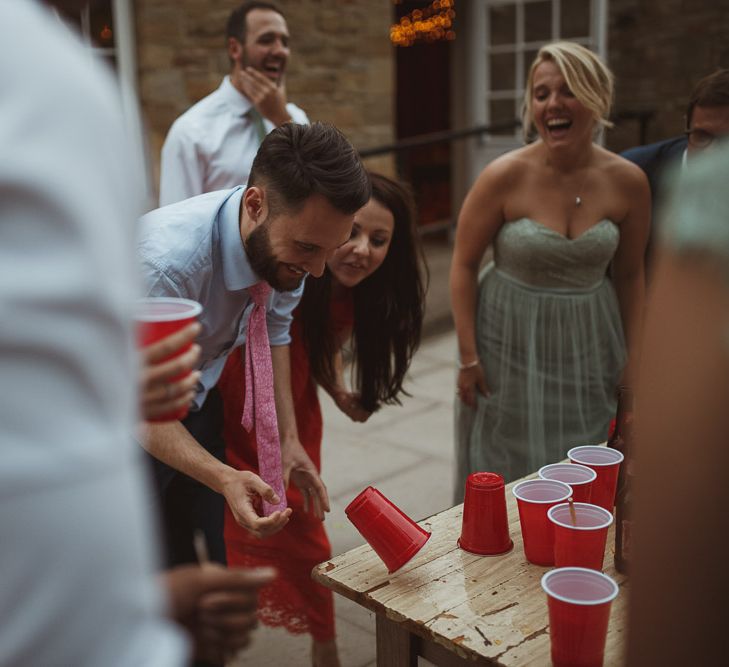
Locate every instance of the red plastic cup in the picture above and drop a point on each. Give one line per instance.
(579, 611)
(485, 529)
(580, 478)
(533, 498)
(581, 544)
(605, 461)
(393, 535)
(157, 318)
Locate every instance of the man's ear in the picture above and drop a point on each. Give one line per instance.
(255, 203)
(235, 49)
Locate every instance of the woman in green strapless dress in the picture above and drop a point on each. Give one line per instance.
(544, 335)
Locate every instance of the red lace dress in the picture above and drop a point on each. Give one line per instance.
(293, 600)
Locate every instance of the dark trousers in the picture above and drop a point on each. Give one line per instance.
(187, 505)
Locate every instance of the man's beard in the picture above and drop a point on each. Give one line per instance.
(244, 61)
(264, 263)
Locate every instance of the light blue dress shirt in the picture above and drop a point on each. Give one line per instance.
(193, 249)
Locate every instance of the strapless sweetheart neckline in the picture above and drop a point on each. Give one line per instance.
(556, 233)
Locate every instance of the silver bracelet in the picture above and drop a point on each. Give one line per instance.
(470, 364)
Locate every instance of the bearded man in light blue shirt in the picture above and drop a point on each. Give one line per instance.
(306, 183)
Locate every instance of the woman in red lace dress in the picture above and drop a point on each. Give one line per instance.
(372, 295)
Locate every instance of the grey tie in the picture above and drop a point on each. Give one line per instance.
(254, 116)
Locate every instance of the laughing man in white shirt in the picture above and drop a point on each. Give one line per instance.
(212, 145)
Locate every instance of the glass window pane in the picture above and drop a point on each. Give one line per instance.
(503, 71)
(575, 18)
(503, 24)
(102, 24)
(502, 111)
(538, 21)
(528, 60)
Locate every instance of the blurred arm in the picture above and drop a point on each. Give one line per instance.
(679, 575)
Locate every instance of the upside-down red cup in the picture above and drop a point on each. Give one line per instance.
(579, 603)
(579, 477)
(533, 498)
(582, 543)
(393, 535)
(485, 529)
(157, 318)
(605, 461)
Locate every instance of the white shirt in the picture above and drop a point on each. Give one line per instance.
(212, 145)
(77, 551)
(193, 249)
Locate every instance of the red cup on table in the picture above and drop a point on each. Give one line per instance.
(605, 461)
(534, 497)
(579, 603)
(391, 533)
(579, 477)
(580, 534)
(157, 318)
(485, 529)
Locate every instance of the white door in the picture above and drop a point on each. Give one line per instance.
(502, 38)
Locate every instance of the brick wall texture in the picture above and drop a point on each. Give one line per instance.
(658, 50)
(341, 68)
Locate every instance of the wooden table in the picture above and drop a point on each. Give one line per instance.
(456, 608)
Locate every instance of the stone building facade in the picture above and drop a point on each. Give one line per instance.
(658, 51)
(344, 70)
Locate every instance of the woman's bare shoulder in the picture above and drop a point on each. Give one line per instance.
(506, 168)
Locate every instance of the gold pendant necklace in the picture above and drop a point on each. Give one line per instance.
(578, 200)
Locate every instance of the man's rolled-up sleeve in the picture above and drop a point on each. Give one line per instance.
(280, 315)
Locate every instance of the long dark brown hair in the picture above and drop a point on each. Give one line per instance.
(388, 309)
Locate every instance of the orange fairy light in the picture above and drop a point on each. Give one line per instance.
(431, 24)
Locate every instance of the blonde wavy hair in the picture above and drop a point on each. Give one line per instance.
(589, 79)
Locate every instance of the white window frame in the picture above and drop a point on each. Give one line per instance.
(124, 50)
(470, 92)
(597, 41)
(124, 42)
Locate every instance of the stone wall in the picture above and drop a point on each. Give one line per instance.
(341, 68)
(658, 50)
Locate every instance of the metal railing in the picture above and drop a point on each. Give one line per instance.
(432, 138)
(399, 148)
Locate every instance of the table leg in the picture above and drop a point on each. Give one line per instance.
(395, 645)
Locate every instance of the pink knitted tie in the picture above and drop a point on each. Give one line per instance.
(260, 405)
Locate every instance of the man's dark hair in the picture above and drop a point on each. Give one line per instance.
(295, 162)
(236, 27)
(711, 91)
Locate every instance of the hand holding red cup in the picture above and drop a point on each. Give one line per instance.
(166, 337)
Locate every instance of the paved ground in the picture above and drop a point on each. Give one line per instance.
(405, 451)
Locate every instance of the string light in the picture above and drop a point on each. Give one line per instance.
(106, 34)
(431, 24)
